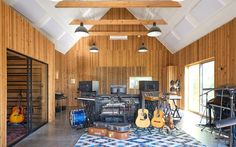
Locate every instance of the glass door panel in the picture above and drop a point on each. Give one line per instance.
(27, 86)
(199, 79)
(16, 97)
(39, 94)
(207, 81)
(193, 89)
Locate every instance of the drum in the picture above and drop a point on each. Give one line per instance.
(77, 118)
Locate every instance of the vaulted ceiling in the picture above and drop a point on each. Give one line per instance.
(186, 24)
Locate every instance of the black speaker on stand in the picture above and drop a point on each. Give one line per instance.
(88, 88)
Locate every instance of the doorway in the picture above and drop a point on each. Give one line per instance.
(199, 78)
(27, 97)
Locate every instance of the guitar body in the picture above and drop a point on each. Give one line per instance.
(158, 119)
(142, 120)
(170, 122)
(17, 115)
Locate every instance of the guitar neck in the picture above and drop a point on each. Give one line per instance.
(19, 98)
(143, 101)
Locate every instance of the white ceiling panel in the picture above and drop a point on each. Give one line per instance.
(184, 28)
(65, 42)
(193, 20)
(172, 39)
(53, 28)
(205, 9)
(145, 13)
(31, 10)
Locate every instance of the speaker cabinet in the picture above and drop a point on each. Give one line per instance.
(88, 86)
(149, 86)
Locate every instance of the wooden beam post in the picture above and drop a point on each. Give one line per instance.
(118, 22)
(137, 33)
(3, 81)
(117, 4)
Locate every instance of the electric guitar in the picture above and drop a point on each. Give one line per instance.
(142, 120)
(158, 120)
(17, 114)
(170, 122)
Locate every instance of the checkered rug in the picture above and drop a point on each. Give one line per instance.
(177, 138)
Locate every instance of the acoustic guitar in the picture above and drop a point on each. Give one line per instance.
(142, 120)
(17, 114)
(158, 120)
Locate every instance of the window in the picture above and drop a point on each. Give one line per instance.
(134, 81)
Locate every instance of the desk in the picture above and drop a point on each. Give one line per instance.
(60, 102)
(175, 111)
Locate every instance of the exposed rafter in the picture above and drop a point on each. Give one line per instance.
(137, 33)
(118, 22)
(117, 4)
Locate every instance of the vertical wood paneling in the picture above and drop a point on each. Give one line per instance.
(3, 90)
(61, 74)
(169, 73)
(17, 34)
(116, 60)
(220, 45)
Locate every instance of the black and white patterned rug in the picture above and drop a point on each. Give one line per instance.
(177, 138)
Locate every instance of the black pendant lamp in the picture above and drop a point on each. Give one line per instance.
(94, 49)
(154, 31)
(81, 30)
(142, 49)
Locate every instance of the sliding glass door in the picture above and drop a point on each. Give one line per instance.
(193, 89)
(39, 94)
(206, 83)
(27, 84)
(199, 78)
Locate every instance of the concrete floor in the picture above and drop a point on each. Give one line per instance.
(60, 134)
(56, 134)
(190, 124)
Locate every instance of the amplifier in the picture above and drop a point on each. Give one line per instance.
(88, 86)
(149, 85)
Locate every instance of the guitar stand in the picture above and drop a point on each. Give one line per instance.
(175, 111)
(143, 129)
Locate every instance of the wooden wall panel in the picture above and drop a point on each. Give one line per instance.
(220, 45)
(3, 89)
(19, 35)
(61, 78)
(116, 60)
(169, 74)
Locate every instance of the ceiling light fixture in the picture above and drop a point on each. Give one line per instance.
(154, 31)
(94, 49)
(81, 30)
(142, 49)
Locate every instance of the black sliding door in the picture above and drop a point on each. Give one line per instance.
(27, 88)
(39, 98)
(17, 85)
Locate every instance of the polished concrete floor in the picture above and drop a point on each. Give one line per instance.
(56, 134)
(190, 124)
(60, 134)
